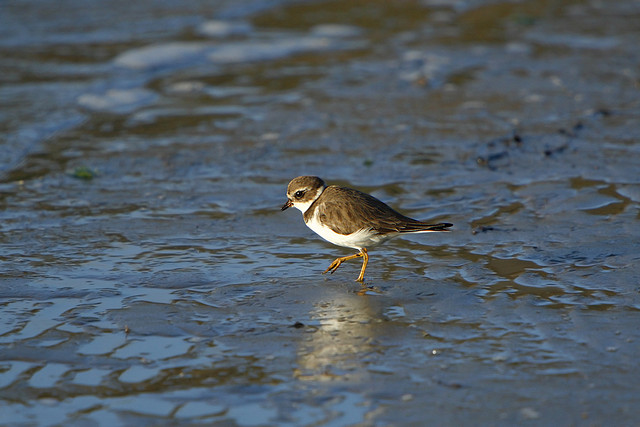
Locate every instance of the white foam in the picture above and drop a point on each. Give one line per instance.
(222, 29)
(117, 100)
(163, 55)
(250, 51)
(335, 30)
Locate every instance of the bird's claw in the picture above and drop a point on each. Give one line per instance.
(333, 267)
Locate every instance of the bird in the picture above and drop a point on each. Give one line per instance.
(350, 218)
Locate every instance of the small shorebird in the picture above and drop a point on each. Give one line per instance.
(350, 218)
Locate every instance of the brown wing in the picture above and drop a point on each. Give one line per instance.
(349, 210)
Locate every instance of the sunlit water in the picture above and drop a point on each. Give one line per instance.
(148, 276)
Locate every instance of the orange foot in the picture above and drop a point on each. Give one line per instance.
(337, 262)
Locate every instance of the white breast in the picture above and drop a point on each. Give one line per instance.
(358, 240)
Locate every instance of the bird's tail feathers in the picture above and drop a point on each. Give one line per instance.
(421, 227)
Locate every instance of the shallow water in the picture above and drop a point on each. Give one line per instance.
(149, 277)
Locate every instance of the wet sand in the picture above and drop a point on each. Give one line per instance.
(148, 276)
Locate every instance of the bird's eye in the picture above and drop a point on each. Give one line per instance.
(298, 194)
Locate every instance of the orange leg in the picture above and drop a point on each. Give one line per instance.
(335, 264)
(365, 261)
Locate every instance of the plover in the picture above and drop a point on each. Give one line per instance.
(350, 218)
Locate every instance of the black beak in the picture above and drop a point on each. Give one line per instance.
(287, 205)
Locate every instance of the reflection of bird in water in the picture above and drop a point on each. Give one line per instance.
(350, 218)
(346, 328)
